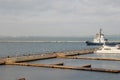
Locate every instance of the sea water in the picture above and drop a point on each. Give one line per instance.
(10, 72)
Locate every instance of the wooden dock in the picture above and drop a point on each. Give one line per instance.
(91, 58)
(46, 56)
(68, 54)
(85, 68)
(80, 52)
(29, 58)
(2, 62)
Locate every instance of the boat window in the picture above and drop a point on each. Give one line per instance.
(107, 49)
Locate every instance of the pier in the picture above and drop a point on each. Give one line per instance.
(21, 60)
(91, 58)
(86, 67)
(2, 62)
(29, 58)
(34, 57)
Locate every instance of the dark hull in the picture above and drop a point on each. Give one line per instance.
(107, 43)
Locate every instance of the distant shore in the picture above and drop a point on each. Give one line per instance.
(43, 41)
(48, 41)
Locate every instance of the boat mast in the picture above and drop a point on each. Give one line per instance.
(100, 35)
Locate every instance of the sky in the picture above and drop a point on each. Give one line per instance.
(72, 18)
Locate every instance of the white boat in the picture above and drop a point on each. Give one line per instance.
(108, 49)
(100, 40)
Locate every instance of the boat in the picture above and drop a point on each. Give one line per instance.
(108, 49)
(100, 40)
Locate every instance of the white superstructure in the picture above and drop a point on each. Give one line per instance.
(108, 49)
(99, 38)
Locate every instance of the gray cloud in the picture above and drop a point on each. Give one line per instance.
(59, 7)
(57, 12)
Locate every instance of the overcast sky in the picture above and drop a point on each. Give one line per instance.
(59, 17)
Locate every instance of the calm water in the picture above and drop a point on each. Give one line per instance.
(8, 72)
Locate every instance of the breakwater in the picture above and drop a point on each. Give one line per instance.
(85, 67)
(68, 54)
(91, 58)
(43, 56)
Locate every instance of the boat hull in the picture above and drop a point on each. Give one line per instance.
(107, 52)
(107, 43)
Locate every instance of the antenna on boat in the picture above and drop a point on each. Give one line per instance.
(100, 35)
(100, 32)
